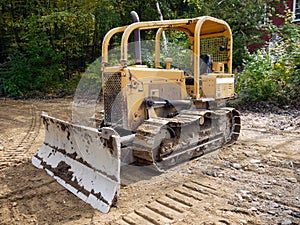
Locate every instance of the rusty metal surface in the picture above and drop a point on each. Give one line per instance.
(83, 160)
(191, 137)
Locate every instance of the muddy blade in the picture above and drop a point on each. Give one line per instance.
(83, 160)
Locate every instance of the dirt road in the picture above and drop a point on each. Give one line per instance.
(255, 181)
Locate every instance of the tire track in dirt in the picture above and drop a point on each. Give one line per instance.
(254, 194)
(18, 151)
(25, 192)
(27, 141)
(192, 196)
(179, 202)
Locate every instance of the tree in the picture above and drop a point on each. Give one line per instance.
(53, 41)
(244, 17)
(59, 39)
(273, 72)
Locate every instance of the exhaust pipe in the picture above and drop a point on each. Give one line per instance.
(137, 39)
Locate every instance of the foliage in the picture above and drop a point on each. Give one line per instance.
(46, 45)
(51, 42)
(273, 73)
(90, 83)
(25, 75)
(15, 73)
(70, 34)
(244, 17)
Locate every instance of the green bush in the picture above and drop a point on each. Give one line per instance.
(15, 72)
(272, 73)
(39, 65)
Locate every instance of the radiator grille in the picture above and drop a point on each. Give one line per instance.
(112, 97)
(212, 45)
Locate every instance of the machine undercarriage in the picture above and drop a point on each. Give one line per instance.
(166, 142)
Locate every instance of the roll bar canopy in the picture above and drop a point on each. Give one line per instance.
(202, 27)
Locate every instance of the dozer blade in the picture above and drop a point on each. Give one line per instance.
(83, 160)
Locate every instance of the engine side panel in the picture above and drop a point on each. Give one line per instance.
(218, 86)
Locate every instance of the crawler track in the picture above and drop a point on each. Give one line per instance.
(166, 142)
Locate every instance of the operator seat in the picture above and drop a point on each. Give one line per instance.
(205, 67)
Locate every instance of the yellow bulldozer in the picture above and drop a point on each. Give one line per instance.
(159, 116)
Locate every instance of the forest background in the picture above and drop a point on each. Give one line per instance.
(45, 46)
